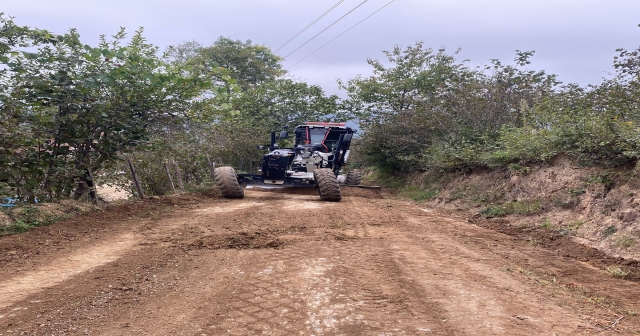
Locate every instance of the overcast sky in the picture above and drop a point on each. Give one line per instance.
(575, 39)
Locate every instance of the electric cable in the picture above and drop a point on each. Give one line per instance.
(322, 31)
(311, 24)
(344, 32)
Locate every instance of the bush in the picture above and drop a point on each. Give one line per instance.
(494, 211)
(609, 231)
(425, 112)
(419, 194)
(528, 207)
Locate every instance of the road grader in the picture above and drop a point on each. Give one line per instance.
(316, 160)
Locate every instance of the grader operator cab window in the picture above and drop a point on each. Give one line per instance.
(321, 138)
(332, 138)
(317, 135)
(310, 136)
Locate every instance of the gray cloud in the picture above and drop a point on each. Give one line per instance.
(574, 39)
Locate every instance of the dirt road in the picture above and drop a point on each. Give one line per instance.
(288, 264)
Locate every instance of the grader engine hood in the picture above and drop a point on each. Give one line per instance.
(275, 165)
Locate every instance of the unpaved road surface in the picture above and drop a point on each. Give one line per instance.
(279, 263)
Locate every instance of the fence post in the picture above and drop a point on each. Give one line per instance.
(166, 170)
(136, 182)
(212, 167)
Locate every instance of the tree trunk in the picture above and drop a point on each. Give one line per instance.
(92, 186)
(178, 175)
(80, 190)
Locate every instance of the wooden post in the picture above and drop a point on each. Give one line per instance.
(212, 167)
(166, 170)
(178, 175)
(136, 182)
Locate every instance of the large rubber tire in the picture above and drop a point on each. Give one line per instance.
(354, 177)
(227, 182)
(328, 186)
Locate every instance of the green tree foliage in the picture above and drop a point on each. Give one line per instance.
(247, 63)
(430, 109)
(282, 102)
(68, 110)
(597, 124)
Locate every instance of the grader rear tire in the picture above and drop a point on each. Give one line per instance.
(328, 186)
(354, 177)
(227, 182)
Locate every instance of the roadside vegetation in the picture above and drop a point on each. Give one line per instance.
(430, 110)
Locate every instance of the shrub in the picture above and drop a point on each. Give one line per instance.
(494, 211)
(506, 117)
(625, 242)
(25, 217)
(547, 224)
(418, 194)
(575, 192)
(575, 225)
(609, 231)
(527, 207)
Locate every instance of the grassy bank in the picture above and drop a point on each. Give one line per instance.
(23, 218)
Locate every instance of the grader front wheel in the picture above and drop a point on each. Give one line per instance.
(328, 186)
(227, 182)
(354, 177)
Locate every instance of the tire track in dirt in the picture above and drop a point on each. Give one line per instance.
(390, 303)
(472, 283)
(24, 285)
(592, 294)
(66, 267)
(364, 266)
(479, 298)
(311, 286)
(330, 290)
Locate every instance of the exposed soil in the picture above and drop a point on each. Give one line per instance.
(285, 263)
(598, 206)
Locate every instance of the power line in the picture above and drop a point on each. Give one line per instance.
(311, 24)
(331, 25)
(344, 32)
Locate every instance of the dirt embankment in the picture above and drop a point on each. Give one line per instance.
(593, 206)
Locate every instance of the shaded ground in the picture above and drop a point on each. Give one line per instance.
(279, 263)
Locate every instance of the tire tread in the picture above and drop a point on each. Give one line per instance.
(354, 177)
(227, 181)
(328, 186)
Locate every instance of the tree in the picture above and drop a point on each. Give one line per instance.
(428, 107)
(69, 110)
(247, 63)
(286, 102)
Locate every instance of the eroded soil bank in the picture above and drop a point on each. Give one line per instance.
(594, 206)
(279, 263)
